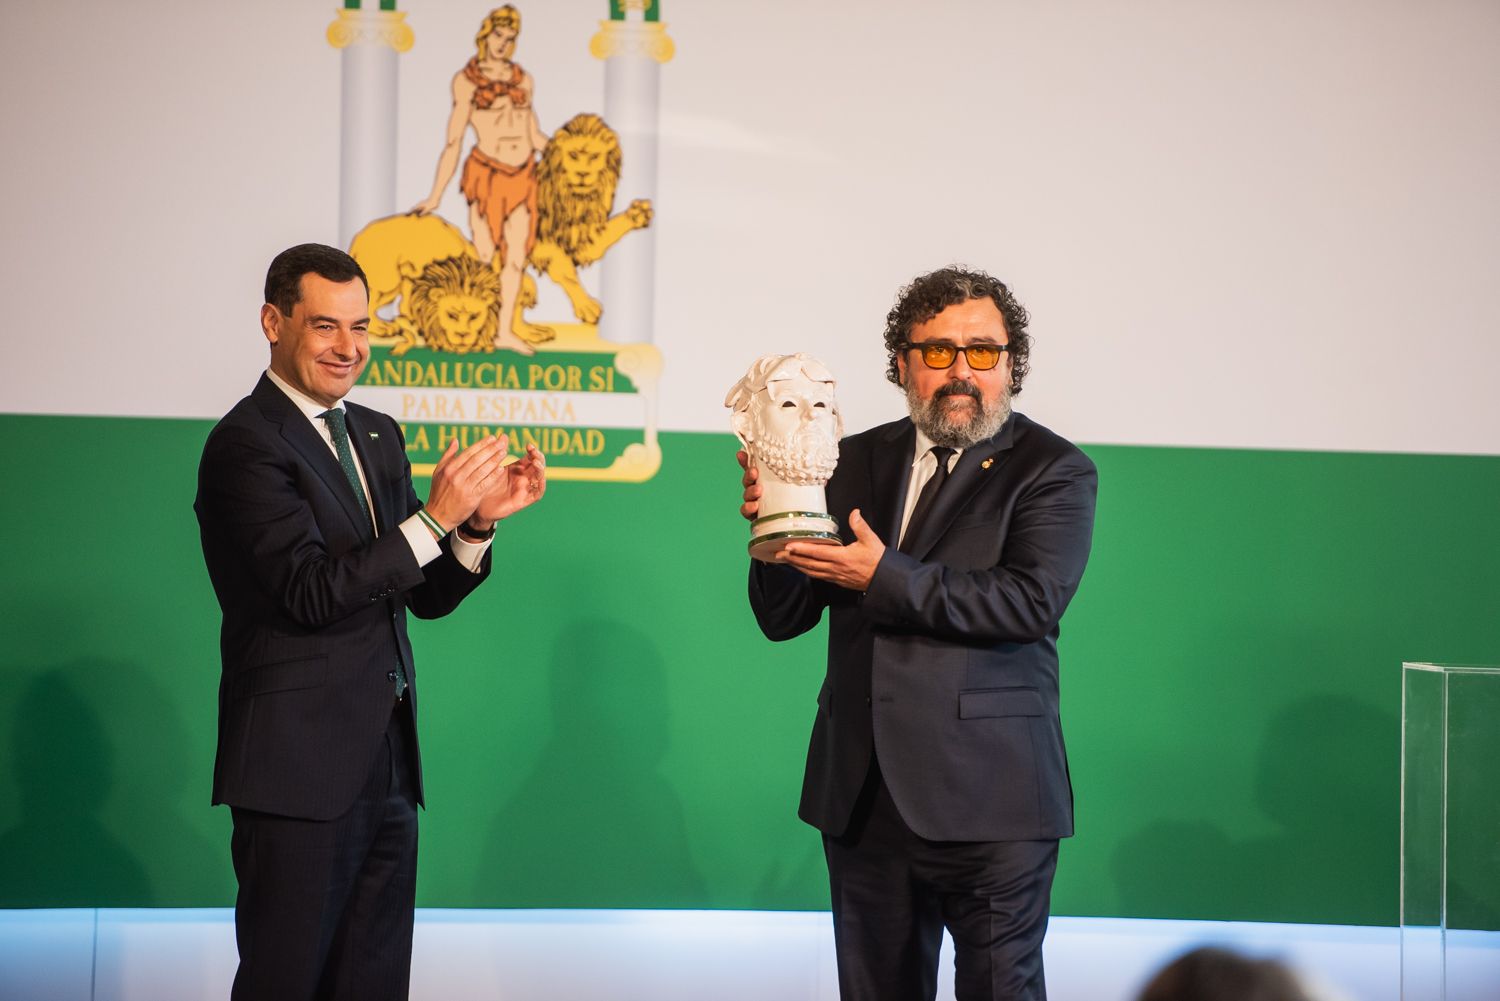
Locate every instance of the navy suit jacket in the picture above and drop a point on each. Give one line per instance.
(947, 665)
(314, 607)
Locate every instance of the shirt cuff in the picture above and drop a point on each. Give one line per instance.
(423, 546)
(470, 554)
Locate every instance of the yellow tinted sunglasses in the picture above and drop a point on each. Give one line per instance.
(979, 357)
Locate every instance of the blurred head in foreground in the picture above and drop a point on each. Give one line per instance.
(1211, 974)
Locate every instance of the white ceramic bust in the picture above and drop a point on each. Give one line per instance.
(785, 414)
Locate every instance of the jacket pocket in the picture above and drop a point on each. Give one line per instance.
(986, 702)
(285, 676)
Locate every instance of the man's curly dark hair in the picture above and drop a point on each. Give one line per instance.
(930, 294)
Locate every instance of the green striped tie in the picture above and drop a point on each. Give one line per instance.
(340, 431)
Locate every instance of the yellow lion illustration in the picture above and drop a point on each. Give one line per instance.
(426, 264)
(394, 252)
(576, 181)
(454, 305)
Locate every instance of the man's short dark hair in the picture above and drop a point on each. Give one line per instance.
(284, 279)
(930, 294)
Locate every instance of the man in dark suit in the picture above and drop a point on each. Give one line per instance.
(936, 770)
(317, 547)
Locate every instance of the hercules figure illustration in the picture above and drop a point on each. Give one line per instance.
(494, 96)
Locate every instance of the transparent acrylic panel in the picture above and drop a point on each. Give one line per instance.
(1422, 743)
(1450, 830)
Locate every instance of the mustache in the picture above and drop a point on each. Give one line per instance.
(957, 389)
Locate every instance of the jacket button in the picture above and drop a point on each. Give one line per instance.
(390, 676)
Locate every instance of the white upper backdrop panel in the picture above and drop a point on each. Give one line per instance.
(1235, 224)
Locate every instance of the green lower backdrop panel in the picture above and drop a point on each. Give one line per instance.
(603, 725)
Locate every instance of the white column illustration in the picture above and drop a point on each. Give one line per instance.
(633, 44)
(369, 41)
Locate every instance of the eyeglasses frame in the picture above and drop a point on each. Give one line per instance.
(957, 350)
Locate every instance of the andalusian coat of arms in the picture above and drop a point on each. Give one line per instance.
(457, 351)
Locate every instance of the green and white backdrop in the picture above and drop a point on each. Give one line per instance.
(1260, 243)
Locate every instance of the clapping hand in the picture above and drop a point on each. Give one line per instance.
(516, 486)
(460, 480)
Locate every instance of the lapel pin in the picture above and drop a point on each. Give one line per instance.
(987, 463)
(374, 434)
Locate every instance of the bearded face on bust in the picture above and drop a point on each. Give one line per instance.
(787, 418)
(804, 457)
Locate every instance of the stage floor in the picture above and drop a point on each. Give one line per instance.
(568, 955)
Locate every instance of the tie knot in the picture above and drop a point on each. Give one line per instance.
(942, 453)
(335, 420)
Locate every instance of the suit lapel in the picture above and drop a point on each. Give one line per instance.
(979, 465)
(298, 432)
(889, 471)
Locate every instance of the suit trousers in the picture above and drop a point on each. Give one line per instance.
(894, 892)
(325, 908)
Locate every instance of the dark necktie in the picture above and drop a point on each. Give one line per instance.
(338, 430)
(928, 496)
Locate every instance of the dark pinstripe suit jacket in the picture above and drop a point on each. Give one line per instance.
(947, 665)
(314, 609)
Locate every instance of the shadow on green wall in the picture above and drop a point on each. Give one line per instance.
(597, 815)
(61, 852)
(101, 766)
(802, 877)
(1330, 853)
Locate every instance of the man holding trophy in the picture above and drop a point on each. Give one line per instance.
(936, 770)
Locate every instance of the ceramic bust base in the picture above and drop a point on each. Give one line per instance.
(792, 514)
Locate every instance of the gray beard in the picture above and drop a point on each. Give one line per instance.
(792, 461)
(933, 419)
